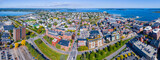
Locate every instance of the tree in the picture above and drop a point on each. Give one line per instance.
(5, 45)
(71, 40)
(129, 54)
(16, 45)
(87, 54)
(121, 56)
(125, 55)
(110, 48)
(32, 33)
(105, 49)
(39, 31)
(40, 27)
(121, 42)
(122, 37)
(11, 46)
(97, 55)
(118, 58)
(23, 42)
(78, 34)
(66, 26)
(91, 57)
(55, 23)
(102, 53)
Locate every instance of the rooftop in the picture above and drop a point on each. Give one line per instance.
(148, 28)
(64, 42)
(147, 49)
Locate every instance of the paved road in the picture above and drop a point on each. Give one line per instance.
(115, 53)
(73, 53)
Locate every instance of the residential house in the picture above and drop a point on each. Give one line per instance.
(5, 38)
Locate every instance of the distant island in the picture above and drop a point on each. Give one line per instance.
(156, 12)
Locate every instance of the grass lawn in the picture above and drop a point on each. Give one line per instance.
(48, 39)
(58, 46)
(30, 20)
(53, 55)
(33, 52)
(78, 57)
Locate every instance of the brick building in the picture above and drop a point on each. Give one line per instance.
(19, 33)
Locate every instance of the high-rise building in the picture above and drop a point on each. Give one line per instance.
(19, 33)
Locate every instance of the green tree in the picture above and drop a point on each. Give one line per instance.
(106, 49)
(87, 54)
(66, 26)
(5, 45)
(102, 53)
(97, 55)
(71, 40)
(78, 34)
(55, 23)
(11, 46)
(110, 48)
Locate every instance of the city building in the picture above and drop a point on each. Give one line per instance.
(6, 28)
(156, 33)
(147, 30)
(144, 50)
(65, 44)
(5, 38)
(55, 41)
(19, 33)
(82, 42)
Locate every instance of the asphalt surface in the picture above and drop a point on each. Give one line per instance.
(73, 53)
(115, 53)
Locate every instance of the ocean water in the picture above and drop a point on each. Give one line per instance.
(12, 13)
(144, 14)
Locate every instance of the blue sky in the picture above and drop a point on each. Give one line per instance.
(79, 3)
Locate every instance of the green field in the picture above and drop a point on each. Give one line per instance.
(53, 55)
(48, 39)
(33, 52)
(30, 20)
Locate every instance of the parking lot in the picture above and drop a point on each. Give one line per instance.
(6, 55)
(20, 53)
(126, 51)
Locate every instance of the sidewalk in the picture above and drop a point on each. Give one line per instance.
(115, 53)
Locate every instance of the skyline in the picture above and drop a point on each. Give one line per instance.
(79, 4)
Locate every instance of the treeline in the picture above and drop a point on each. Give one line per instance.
(101, 54)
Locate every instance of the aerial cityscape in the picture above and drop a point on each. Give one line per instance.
(79, 30)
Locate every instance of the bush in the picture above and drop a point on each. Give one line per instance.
(82, 48)
(11, 46)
